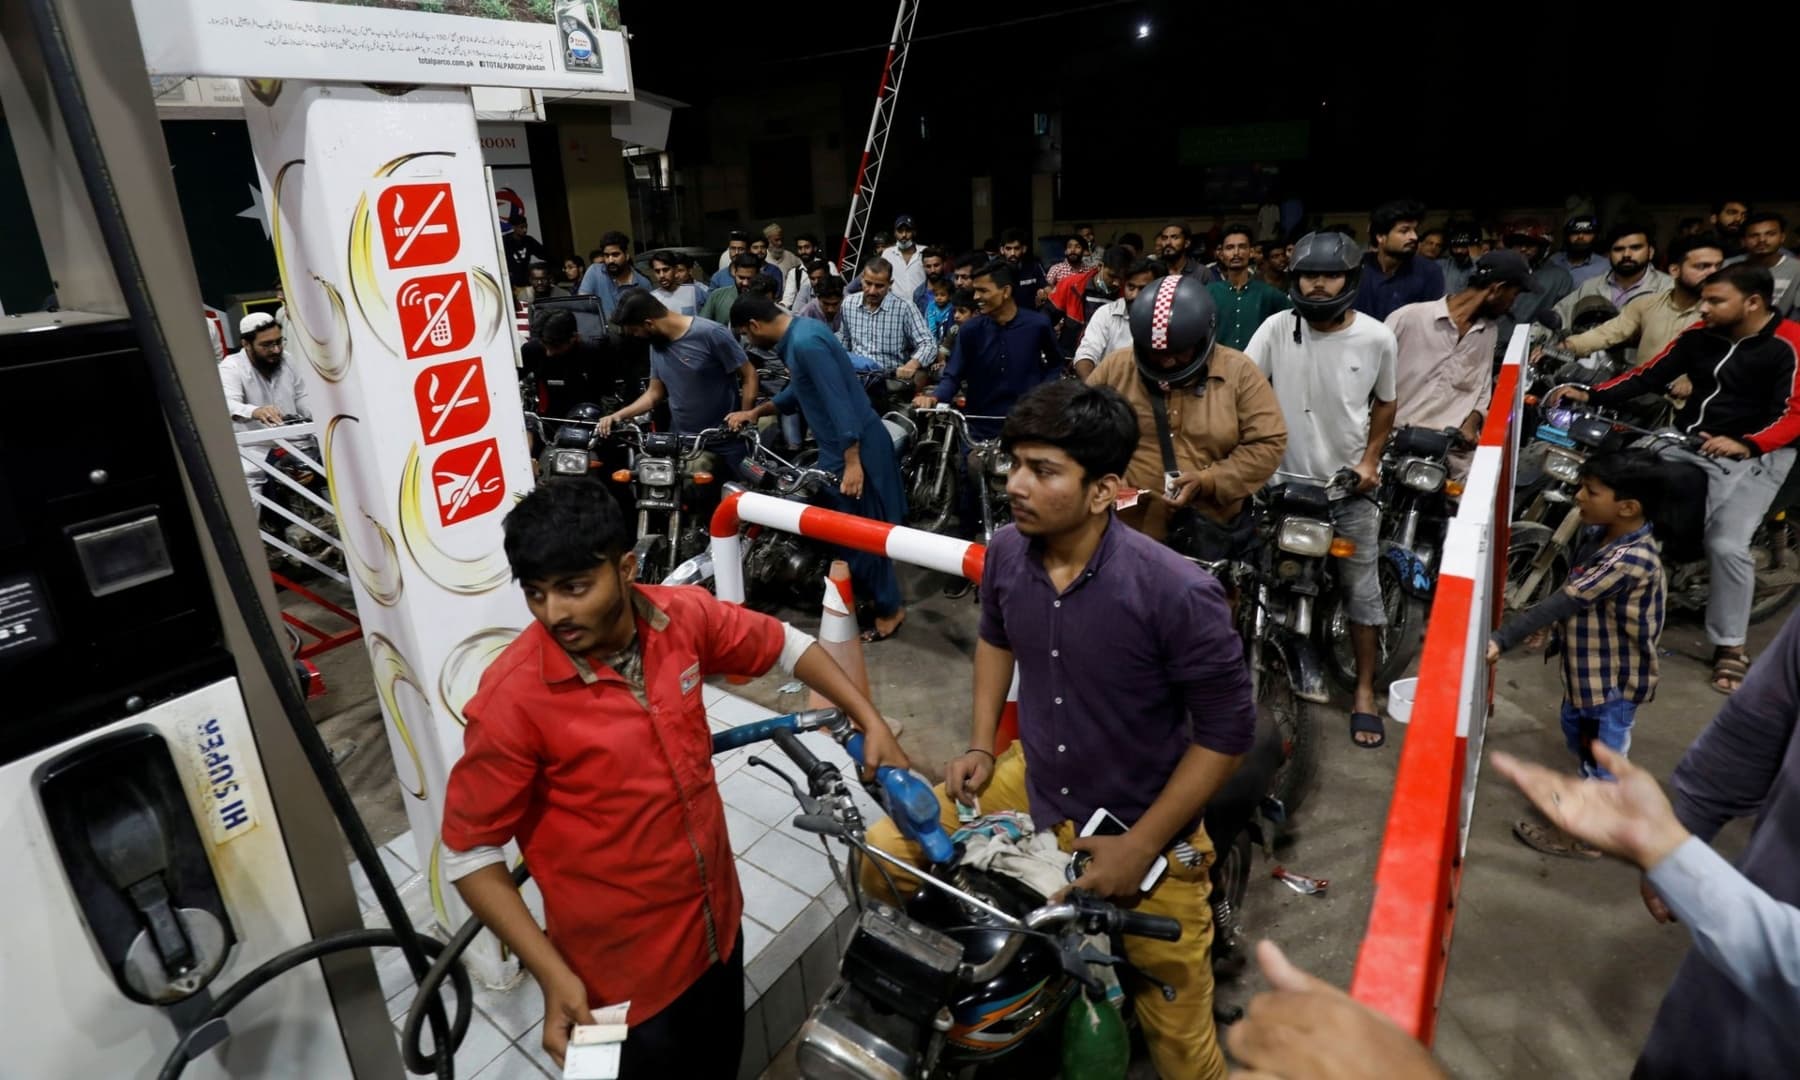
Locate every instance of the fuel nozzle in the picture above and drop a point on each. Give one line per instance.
(131, 848)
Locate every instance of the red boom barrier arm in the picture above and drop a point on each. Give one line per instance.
(1401, 966)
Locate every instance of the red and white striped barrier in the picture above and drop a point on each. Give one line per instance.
(1400, 968)
(944, 554)
(941, 553)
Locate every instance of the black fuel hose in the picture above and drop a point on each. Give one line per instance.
(282, 963)
(71, 100)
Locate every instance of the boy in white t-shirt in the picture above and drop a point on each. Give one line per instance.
(1333, 372)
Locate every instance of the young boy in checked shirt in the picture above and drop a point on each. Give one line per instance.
(1606, 620)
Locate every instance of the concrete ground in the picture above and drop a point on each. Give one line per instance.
(1555, 967)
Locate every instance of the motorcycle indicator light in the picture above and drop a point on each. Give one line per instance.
(703, 478)
(1531, 399)
(622, 476)
(1343, 547)
(1453, 488)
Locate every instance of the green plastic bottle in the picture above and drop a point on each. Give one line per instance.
(1095, 1044)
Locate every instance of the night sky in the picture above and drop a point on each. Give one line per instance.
(1481, 105)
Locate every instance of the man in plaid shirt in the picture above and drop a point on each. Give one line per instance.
(883, 328)
(1608, 618)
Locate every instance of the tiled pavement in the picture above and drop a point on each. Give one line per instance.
(795, 918)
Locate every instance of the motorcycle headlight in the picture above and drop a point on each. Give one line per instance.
(569, 463)
(656, 472)
(1563, 466)
(1000, 464)
(1304, 536)
(1422, 475)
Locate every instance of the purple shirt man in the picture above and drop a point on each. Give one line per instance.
(1142, 641)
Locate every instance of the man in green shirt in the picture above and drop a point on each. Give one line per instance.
(744, 269)
(1244, 299)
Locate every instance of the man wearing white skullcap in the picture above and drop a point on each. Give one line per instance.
(261, 387)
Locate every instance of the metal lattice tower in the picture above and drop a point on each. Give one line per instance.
(868, 172)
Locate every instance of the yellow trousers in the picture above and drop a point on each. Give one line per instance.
(1183, 1043)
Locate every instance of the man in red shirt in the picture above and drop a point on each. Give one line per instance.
(587, 742)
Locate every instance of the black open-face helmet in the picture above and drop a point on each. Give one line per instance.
(1172, 314)
(1325, 253)
(580, 428)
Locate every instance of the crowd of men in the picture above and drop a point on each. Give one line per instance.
(1323, 345)
(1188, 372)
(1268, 358)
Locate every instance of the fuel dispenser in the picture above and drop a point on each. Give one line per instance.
(176, 901)
(148, 858)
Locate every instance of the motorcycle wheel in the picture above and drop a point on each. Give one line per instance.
(1276, 700)
(1529, 538)
(1395, 644)
(923, 511)
(1776, 551)
(1230, 883)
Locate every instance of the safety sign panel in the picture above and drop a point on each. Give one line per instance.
(436, 315)
(418, 225)
(466, 481)
(452, 400)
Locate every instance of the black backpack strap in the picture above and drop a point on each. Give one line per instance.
(1159, 408)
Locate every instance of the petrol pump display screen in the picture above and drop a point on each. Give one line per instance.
(118, 555)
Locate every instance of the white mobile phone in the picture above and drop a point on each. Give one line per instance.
(1104, 823)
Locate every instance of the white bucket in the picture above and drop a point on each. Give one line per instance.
(1400, 699)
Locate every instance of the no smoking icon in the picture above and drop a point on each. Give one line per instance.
(452, 400)
(417, 223)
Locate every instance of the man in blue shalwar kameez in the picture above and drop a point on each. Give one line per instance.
(853, 442)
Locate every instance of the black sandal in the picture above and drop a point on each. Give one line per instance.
(1729, 668)
(1363, 723)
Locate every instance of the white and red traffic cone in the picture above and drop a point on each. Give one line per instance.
(1009, 717)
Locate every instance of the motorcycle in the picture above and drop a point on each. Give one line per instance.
(1540, 553)
(1275, 775)
(933, 472)
(1417, 500)
(675, 490)
(975, 968)
(1552, 368)
(782, 567)
(568, 445)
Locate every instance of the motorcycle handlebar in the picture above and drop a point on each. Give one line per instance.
(1136, 923)
(818, 774)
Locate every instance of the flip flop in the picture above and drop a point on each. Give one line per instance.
(1363, 722)
(870, 637)
(1552, 841)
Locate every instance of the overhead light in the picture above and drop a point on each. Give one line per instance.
(1143, 30)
